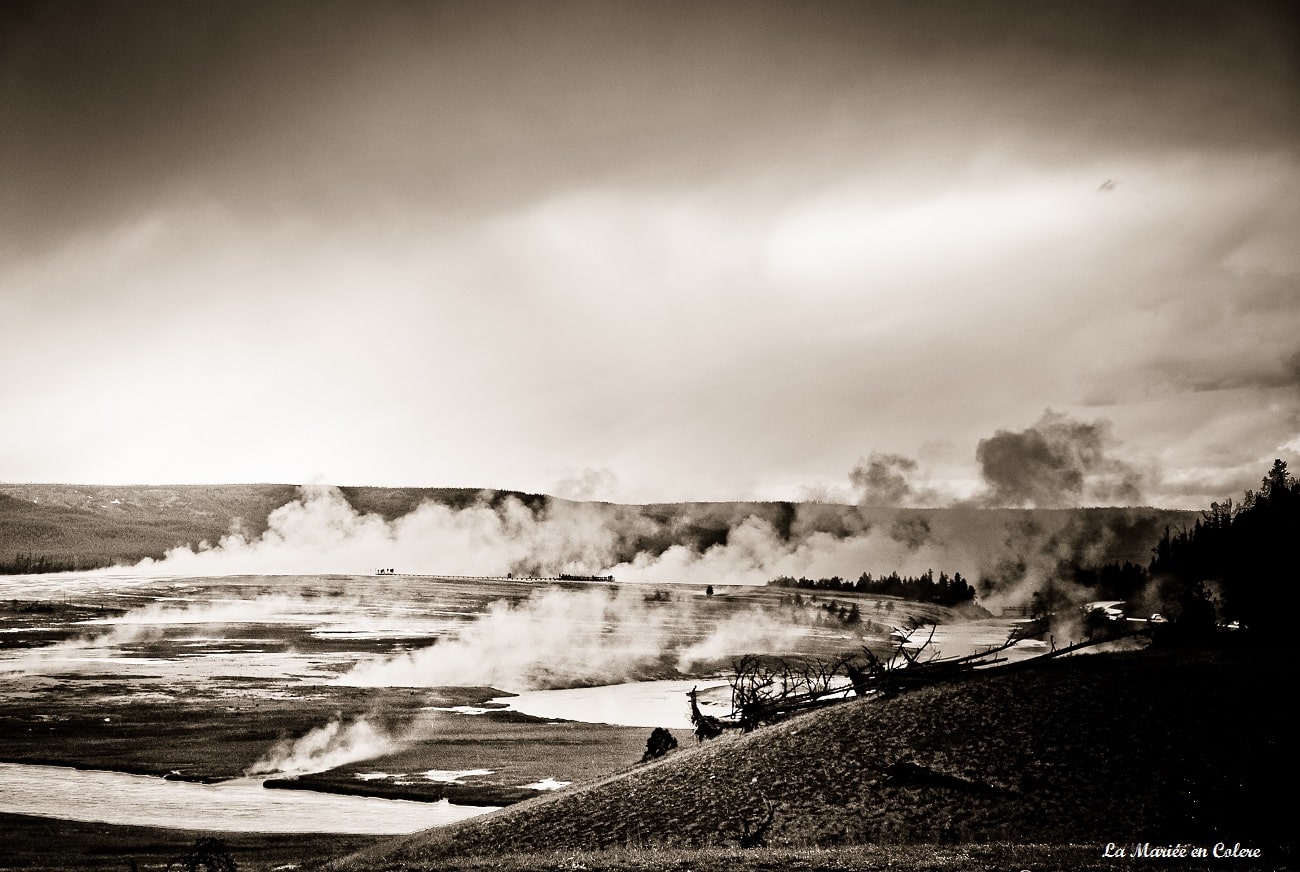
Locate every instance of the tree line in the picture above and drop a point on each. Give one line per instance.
(1233, 569)
(944, 590)
(1236, 566)
(30, 564)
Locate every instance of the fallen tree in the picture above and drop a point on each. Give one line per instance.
(766, 689)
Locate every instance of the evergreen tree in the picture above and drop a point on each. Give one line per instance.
(1237, 561)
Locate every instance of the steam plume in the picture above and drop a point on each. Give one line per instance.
(327, 747)
(162, 620)
(755, 553)
(1035, 555)
(888, 480)
(320, 532)
(572, 638)
(1058, 462)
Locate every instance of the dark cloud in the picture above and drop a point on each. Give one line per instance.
(1058, 462)
(889, 481)
(110, 106)
(882, 479)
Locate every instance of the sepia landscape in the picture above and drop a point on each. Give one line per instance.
(648, 436)
(549, 706)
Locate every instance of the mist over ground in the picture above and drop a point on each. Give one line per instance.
(1004, 550)
(1038, 516)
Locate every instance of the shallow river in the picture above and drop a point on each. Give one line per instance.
(241, 805)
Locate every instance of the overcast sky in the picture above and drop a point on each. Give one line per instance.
(652, 251)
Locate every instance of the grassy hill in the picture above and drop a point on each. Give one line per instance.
(84, 526)
(1164, 748)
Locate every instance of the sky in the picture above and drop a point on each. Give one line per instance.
(1020, 253)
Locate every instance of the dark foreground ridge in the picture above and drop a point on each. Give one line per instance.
(1164, 748)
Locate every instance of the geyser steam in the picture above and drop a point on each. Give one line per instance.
(1057, 462)
(573, 638)
(327, 747)
(167, 620)
(321, 533)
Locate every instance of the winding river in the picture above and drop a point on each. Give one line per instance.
(239, 805)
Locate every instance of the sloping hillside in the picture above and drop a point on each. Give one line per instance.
(1123, 748)
(82, 526)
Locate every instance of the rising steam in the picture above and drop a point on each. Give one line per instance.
(1055, 463)
(574, 638)
(162, 620)
(327, 747)
(890, 480)
(320, 532)
(756, 553)
(1058, 462)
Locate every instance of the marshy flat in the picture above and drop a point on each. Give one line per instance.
(320, 682)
